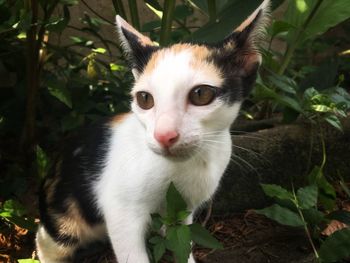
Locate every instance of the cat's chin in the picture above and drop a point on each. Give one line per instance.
(176, 154)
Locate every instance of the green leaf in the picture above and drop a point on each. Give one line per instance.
(334, 121)
(284, 83)
(72, 121)
(182, 215)
(28, 260)
(263, 92)
(234, 13)
(202, 237)
(201, 4)
(61, 93)
(58, 24)
(310, 93)
(42, 162)
(329, 14)
(322, 77)
(15, 213)
(276, 191)
(99, 50)
(156, 222)
(307, 196)
(158, 251)
(336, 246)
(179, 241)
(155, 4)
(175, 202)
(313, 216)
(327, 193)
(279, 27)
(25, 20)
(14, 208)
(321, 108)
(282, 215)
(340, 215)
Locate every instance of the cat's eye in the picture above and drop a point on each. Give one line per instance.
(202, 95)
(144, 100)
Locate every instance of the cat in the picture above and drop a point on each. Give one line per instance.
(112, 177)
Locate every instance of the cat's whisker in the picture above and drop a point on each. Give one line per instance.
(217, 147)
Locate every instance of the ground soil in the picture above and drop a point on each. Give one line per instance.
(247, 238)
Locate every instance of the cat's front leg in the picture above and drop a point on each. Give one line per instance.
(126, 229)
(188, 221)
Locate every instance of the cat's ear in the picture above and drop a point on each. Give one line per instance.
(137, 47)
(240, 47)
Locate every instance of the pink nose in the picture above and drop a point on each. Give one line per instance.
(166, 139)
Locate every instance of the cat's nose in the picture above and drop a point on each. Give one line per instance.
(166, 139)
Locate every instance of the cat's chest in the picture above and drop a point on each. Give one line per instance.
(145, 179)
(136, 175)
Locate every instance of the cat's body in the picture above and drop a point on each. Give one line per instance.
(111, 179)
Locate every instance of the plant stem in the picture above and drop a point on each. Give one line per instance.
(134, 13)
(168, 13)
(34, 65)
(295, 42)
(306, 229)
(324, 153)
(27, 141)
(119, 8)
(212, 10)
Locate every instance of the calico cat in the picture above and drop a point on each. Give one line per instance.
(115, 174)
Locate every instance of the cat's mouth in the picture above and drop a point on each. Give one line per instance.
(179, 153)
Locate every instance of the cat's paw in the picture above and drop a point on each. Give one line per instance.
(191, 259)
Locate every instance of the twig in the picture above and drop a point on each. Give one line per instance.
(208, 215)
(97, 14)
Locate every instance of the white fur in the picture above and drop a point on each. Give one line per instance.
(136, 176)
(48, 250)
(137, 171)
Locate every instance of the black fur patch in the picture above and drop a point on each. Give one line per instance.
(141, 54)
(239, 77)
(81, 164)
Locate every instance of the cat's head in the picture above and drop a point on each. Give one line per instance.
(186, 95)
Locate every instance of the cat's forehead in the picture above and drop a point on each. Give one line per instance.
(195, 54)
(185, 64)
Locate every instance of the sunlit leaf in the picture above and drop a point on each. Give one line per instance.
(329, 14)
(321, 108)
(99, 50)
(28, 260)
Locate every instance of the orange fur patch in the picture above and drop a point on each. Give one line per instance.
(199, 61)
(119, 118)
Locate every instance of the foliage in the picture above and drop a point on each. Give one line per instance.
(52, 86)
(299, 209)
(28, 260)
(13, 212)
(178, 236)
(293, 87)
